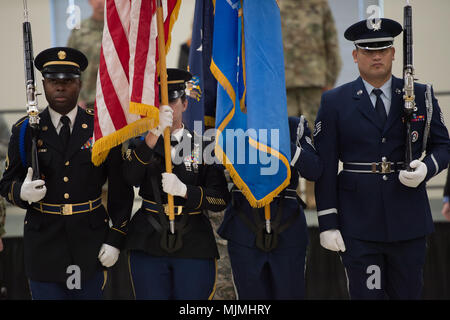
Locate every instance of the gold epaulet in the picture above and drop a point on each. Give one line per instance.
(90, 111)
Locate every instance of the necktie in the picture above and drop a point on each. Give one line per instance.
(379, 106)
(65, 131)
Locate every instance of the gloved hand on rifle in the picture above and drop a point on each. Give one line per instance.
(413, 178)
(32, 190)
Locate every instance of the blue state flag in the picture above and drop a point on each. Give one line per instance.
(251, 114)
(202, 99)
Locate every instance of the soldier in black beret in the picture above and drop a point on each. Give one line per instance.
(67, 238)
(180, 265)
(374, 212)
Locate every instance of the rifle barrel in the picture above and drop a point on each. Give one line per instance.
(407, 37)
(28, 53)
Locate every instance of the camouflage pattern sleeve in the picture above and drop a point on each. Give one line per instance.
(88, 39)
(2, 216)
(311, 51)
(4, 140)
(333, 58)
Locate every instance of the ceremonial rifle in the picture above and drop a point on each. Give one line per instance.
(408, 78)
(30, 89)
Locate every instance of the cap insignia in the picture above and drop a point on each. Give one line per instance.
(62, 55)
(375, 24)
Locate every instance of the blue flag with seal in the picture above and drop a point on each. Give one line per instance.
(253, 139)
(202, 89)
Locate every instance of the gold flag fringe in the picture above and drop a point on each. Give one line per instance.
(145, 110)
(102, 146)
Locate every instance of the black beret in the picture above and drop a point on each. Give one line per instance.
(373, 34)
(61, 62)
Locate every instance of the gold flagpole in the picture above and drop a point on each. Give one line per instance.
(267, 217)
(165, 101)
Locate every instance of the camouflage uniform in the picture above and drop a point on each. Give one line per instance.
(311, 58)
(224, 282)
(311, 53)
(88, 39)
(4, 140)
(2, 216)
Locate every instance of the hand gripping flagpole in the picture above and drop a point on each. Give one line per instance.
(165, 101)
(267, 218)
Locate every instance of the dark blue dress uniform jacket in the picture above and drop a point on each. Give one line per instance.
(308, 165)
(206, 190)
(53, 242)
(374, 206)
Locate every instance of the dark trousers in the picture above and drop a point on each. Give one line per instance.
(164, 278)
(258, 275)
(91, 289)
(384, 270)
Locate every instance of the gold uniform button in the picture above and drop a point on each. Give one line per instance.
(66, 179)
(67, 163)
(84, 126)
(66, 196)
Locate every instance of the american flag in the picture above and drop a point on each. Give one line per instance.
(127, 97)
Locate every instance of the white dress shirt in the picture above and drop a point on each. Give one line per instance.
(56, 118)
(386, 96)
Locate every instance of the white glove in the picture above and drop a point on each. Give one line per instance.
(165, 120)
(32, 191)
(108, 255)
(332, 240)
(172, 185)
(414, 178)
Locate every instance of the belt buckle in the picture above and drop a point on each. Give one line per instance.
(66, 209)
(177, 212)
(385, 166)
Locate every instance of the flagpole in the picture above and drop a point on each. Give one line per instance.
(267, 218)
(164, 101)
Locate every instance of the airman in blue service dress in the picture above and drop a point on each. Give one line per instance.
(373, 211)
(181, 265)
(272, 266)
(65, 224)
